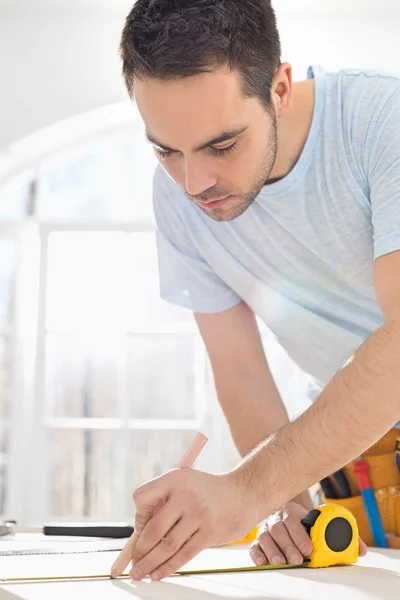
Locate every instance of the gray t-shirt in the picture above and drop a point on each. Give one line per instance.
(302, 255)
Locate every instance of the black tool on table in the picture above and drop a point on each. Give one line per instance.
(99, 530)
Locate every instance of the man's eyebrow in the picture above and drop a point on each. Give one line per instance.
(222, 137)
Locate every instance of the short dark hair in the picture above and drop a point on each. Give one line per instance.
(173, 39)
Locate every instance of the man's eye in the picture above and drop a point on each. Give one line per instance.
(163, 153)
(224, 151)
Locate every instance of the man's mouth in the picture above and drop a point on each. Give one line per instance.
(214, 203)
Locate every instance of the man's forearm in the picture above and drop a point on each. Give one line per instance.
(254, 410)
(357, 407)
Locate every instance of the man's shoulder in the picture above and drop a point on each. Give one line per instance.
(366, 88)
(356, 98)
(353, 74)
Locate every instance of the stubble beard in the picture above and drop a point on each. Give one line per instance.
(242, 202)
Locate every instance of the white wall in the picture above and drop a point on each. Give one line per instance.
(54, 65)
(59, 58)
(341, 41)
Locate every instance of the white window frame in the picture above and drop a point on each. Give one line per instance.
(37, 511)
(22, 398)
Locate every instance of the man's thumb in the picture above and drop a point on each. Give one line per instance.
(148, 499)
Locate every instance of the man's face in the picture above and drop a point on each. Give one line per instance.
(216, 144)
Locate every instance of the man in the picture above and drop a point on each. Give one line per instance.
(278, 199)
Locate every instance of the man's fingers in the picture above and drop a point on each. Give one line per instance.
(125, 556)
(269, 548)
(141, 519)
(363, 548)
(299, 535)
(155, 530)
(140, 522)
(257, 555)
(144, 512)
(282, 539)
(186, 553)
(169, 545)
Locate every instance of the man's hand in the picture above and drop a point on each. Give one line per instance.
(180, 514)
(284, 540)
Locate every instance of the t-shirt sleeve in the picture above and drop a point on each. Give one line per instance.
(384, 174)
(186, 278)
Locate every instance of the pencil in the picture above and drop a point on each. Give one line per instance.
(193, 451)
(186, 462)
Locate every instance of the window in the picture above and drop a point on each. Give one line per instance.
(115, 357)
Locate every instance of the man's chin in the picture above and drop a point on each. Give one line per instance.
(226, 213)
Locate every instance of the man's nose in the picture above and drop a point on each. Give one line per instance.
(199, 176)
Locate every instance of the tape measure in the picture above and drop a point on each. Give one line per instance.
(334, 535)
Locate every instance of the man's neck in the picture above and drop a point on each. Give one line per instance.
(293, 129)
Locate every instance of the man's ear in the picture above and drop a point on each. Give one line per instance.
(281, 92)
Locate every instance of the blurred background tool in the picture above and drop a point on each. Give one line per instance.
(342, 484)
(397, 451)
(361, 471)
(328, 488)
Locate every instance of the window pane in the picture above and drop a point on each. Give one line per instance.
(86, 279)
(8, 257)
(83, 376)
(5, 376)
(83, 474)
(155, 452)
(146, 306)
(107, 280)
(13, 201)
(3, 466)
(161, 379)
(112, 180)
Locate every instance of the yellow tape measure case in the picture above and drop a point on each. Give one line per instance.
(334, 535)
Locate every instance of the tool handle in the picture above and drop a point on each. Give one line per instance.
(104, 531)
(374, 518)
(328, 488)
(361, 470)
(342, 483)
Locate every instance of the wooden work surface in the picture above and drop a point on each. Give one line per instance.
(377, 576)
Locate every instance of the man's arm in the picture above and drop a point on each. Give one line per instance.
(360, 404)
(245, 387)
